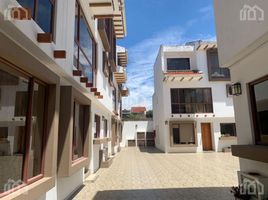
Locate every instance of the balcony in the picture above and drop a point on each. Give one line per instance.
(111, 9)
(183, 75)
(125, 92)
(122, 55)
(101, 8)
(120, 75)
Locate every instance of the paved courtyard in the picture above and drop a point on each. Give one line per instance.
(149, 174)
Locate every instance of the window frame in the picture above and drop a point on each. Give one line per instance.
(188, 60)
(234, 126)
(84, 132)
(52, 20)
(209, 64)
(9, 68)
(105, 128)
(97, 121)
(254, 115)
(179, 123)
(178, 89)
(77, 37)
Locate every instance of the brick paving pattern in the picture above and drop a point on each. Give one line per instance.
(149, 174)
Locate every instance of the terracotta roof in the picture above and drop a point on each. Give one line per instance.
(138, 109)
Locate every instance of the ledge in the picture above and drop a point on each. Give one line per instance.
(251, 152)
(184, 145)
(101, 140)
(227, 138)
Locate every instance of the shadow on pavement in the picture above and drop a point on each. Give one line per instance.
(216, 193)
(150, 150)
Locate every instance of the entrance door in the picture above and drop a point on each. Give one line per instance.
(206, 136)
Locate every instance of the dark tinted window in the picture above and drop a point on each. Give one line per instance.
(42, 12)
(216, 73)
(191, 101)
(228, 129)
(78, 130)
(175, 64)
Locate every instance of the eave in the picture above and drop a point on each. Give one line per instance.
(114, 9)
(180, 76)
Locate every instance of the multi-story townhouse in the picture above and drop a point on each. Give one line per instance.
(61, 89)
(193, 111)
(242, 31)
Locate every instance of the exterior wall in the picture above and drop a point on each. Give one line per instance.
(218, 143)
(129, 130)
(95, 148)
(159, 107)
(66, 186)
(244, 73)
(222, 105)
(231, 43)
(19, 44)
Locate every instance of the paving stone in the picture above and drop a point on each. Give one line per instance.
(150, 174)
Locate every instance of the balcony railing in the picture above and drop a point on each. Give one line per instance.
(219, 74)
(120, 75)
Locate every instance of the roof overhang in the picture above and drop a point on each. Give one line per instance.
(180, 76)
(114, 9)
(206, 46)
(125, 92)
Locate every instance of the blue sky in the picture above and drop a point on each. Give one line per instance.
(151, 23)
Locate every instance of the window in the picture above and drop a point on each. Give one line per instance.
(22, 127)
(176, 64)
(191, 101)
(105, 64)
(84, 46)
(259, 99)
(105, 128)
(215, 72)
(114, 99)
(78, 130)
(228, 129)
(42, 12)
(97, 126)
(182, 133)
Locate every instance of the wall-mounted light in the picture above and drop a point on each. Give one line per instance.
(236, 89)
(166, 122)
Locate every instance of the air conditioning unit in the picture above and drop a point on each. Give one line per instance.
(254, 185)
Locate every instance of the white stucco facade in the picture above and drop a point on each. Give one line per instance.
(243, 47)
(130, 129)
(22, 47)
(163, 117)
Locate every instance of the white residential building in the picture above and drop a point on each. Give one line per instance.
(61, 88)
(242, 31)
(193, 111)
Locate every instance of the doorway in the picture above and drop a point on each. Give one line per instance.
(206, 136)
